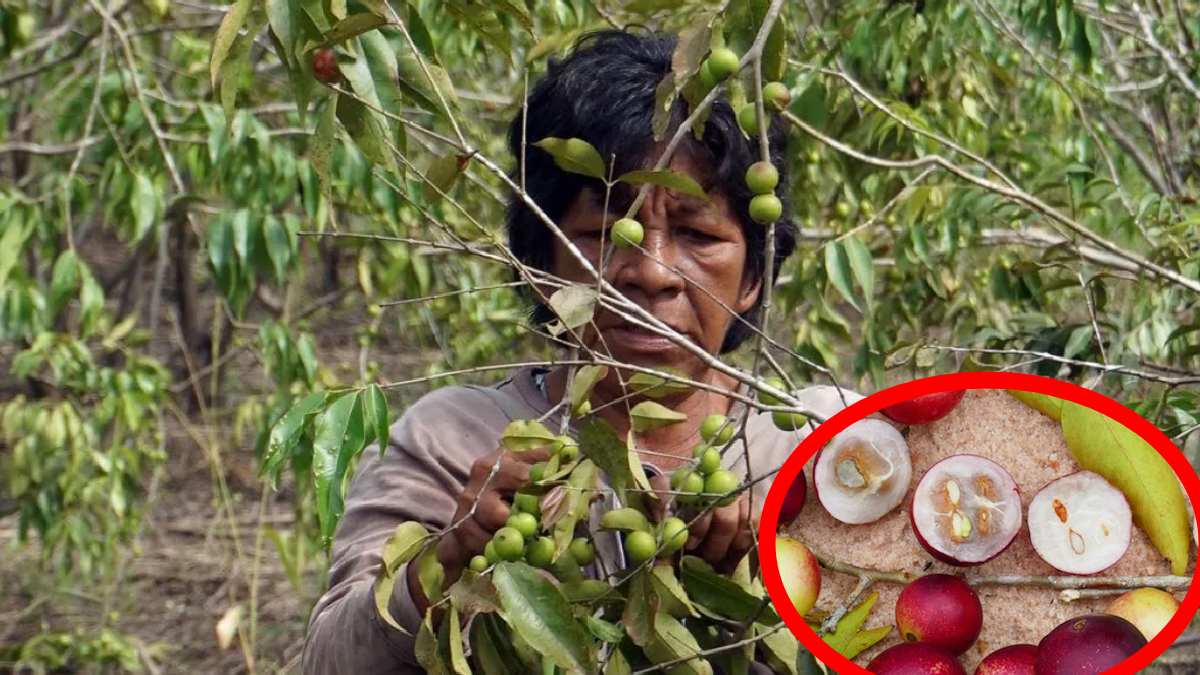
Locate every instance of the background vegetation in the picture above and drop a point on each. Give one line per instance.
(195, 234)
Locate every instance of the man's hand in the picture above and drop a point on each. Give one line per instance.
(722, 536)
(482, 508)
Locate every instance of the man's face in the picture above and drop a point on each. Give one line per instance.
(694, 260)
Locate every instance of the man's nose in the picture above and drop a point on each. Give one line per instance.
(649, 270)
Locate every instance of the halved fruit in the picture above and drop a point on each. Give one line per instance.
(863, 473)
(1080, 524)
(966, 510)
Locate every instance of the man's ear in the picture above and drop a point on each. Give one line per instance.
(748, 294)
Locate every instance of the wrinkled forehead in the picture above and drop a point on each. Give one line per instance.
(687, 159)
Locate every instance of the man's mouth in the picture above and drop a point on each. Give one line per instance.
(631, 337)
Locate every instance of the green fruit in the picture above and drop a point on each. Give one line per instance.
(710, 461)
(674, 534)
(640, 546)
(509, 543)
(788, 421)
(699, 450)
(777, 95)
(489, 553)
(765, 209)
(722, 63)
(679, 477)
(526, 503)
(537, 472)
(748, 119)
(582, 409)
(568, 454)
(706, 76)
(775, 383)
(582, 551)
(479, 563)
(721, 482)
(693, 485)
(762, 177)
(842, 209)
(540, 552)
(716, 429)
(525, 523)
(627, 232)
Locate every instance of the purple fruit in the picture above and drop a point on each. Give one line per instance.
(915, 658)
(1087, 645)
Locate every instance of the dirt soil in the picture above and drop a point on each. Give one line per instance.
(1030, 445)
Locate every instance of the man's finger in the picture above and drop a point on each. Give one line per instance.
(661, 486)
(721, 532)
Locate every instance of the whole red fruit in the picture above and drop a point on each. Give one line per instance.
(924, 409)
(324, 65)
(941, 610)
(793, 501)
(1010, 660)
(1087, 644)
(915, 658)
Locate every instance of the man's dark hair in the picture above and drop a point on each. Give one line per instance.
(604, 92)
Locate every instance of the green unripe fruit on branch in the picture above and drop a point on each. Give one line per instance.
(706, 77)
(540, 552)
(748, 119)
(537, 472)
(526, 503)
(568, 454)
(776, 95)
(627, 232)
(693, 484)
(679, 477)
(582, 551)
(626, 519)
(479, 564)
(524, 523)
(489, 553)
(774, 383)
(765, 209)
(710, 461)
(721, 482)
(722, 63)
(674, 534)
(762, 177)
(788, 421)
(509, 543)
(842, 209)
(640, 546)
(716, 429)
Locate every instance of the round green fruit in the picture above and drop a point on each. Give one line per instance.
(509, 544)
(540, 552)
(627, 232)
(674, 535)
(640, 546)
(706, 76)
(748, 119)
(525, 523)
(722, 63)
(762, 177)
(526, 503)
(774, 383)
(788, 421)
(842, 209)
(710, 461)
(716, 429)
(489, 553)
(765, 209)
(777, 95)
(721, 482)
(537, 472)
(582, 551)
(568, 454)
(692, 485)
(479, 563)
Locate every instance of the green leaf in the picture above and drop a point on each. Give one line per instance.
(574, 155)
(367, 129)
(582, 384)
(581, 486)
(641, 609)
(11, 246)
(1080, 338)
(64, 281)
(671, 594)
(720, 595)
(458, 659)
(574, 305)
(427, 650)
(376, 413)
(286, 432)
(601, 444)
(278, 243)
(850, 624)
(674, 180)
(672, 642)
(864, 640)
(338, 430)
(862, 265)
(540, 614)
(837, 269)
(351, 26)
(1047, 405)
(143, 203)
(774, 55)
(227, 32)
(656, 386)
(1101, 444)
(320, 149)
(491, 647)
(442, 173)
(781, 648)
(604, 630)
(649, 415)
(521, 435)
(474, 593)
(406, 542)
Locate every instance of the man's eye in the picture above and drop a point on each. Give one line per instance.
(698, 235)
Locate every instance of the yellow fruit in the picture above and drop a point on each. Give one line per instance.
(800, 572)
(627, 232)
(765, 209)
(1150, 609)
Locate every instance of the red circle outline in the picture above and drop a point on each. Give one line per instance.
(955, 381)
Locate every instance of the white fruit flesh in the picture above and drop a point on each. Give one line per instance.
(967, 508)
(1080, 524)
(863, 473)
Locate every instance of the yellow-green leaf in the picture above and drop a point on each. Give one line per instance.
(574, 155)
(1101, 444)
(231, 23)
(656, 386)
(404, 545)
(649, 415)
(1047, 405)
(864, 640)
(850, 624)
(521, 435)
(583, 382)
(674, 180)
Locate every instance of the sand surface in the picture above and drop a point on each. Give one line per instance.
(1030, 445)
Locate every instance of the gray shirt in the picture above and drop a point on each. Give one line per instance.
(430, 452)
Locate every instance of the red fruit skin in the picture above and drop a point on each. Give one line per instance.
(1010, 660)
(924, 409)
(915, 658)
(942, 556)
(1087, 644)
(324, 65)
(793, 501)
(941, 610)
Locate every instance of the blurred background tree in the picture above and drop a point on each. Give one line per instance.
(196, 233)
